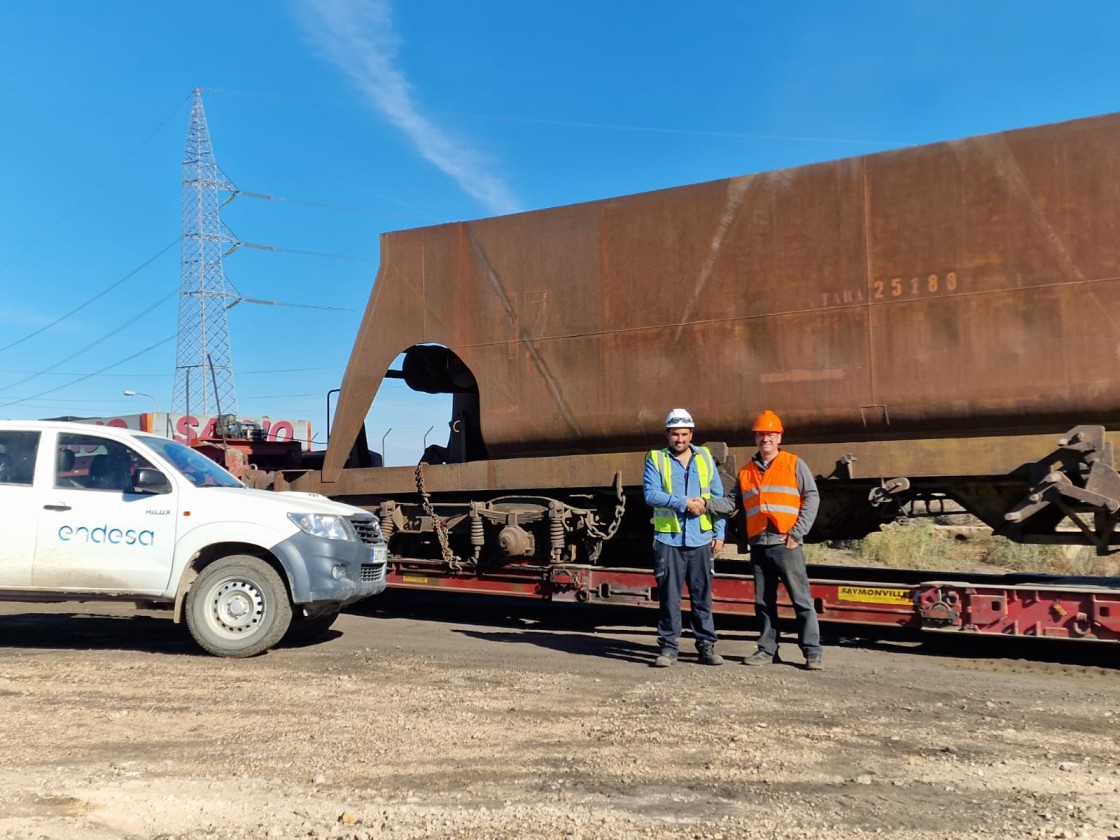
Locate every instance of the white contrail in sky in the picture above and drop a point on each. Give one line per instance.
(358, 37)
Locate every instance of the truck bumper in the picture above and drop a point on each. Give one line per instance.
(322, 572)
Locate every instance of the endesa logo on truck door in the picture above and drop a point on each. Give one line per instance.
(106, 534)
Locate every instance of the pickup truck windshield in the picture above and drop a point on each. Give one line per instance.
(194, 467)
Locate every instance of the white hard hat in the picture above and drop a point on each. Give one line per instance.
(679, 419)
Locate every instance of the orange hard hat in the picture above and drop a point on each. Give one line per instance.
(768, 421)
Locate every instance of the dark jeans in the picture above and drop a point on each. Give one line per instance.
(774, 563)
(674, 568)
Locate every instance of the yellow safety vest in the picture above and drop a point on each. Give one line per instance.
(665, 520)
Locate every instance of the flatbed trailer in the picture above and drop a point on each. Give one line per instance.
(1013, 605)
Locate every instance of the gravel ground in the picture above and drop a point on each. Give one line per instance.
(485, 719)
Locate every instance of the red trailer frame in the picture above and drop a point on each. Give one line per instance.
(1041, 606)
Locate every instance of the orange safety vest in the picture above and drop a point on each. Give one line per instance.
(770, 496)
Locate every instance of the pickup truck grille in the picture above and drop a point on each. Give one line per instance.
(368, 530)
(372, 572)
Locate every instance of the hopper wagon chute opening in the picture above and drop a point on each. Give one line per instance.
(436, 370)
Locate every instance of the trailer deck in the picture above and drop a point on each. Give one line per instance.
(1013, 605)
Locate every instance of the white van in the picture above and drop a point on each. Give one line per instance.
(95, 512)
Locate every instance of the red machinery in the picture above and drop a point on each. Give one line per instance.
(242, 448)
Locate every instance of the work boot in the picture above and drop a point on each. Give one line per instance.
(814, 663)
(761, 657)
(707, 654)
(665, 659)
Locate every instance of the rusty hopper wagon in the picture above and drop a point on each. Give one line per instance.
(933, 324)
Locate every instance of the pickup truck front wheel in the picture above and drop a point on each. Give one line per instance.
(238, 607)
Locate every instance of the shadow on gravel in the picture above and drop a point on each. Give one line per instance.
(85, 632)
(589, 645)
(581, 644)
(568, 621)
(979, 647)
(566, 627)
(296, 642)
(493, 611)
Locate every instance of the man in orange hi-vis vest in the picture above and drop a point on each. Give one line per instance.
(779, 498)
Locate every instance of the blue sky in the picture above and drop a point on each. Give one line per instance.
(367, 116)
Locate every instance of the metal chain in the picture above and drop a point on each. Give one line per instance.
(619, 510)
(455, 564)
(449, 557)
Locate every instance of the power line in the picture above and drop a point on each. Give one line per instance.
(323, 204)
(66, 401)
(236, 297)
(140, 268)
(97, 296)
(170, 375)
(35, 241)
(293, 370)
(297, 305)
(345, 103)
(87, 376)
(258, 247)
(92, 344)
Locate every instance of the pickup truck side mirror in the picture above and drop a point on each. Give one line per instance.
(150, 480)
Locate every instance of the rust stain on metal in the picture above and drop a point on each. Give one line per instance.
(736, 192)
(802, 375)
(495, 282)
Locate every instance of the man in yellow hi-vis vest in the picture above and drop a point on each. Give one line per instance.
(779, 498)
(677, 481)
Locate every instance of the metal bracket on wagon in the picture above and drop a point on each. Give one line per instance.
(887, 490)
(1081, 480)
(938, 608)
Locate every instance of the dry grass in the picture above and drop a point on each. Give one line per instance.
(819, 554)
(1076, 560)
(908, 544)
(922, 544)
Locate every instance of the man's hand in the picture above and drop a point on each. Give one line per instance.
(717, 547)
(791, 542)
(696, 506)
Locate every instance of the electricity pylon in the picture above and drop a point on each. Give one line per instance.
(203, 363)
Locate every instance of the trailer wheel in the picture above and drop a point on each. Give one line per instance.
(238, 607)
(305, 630)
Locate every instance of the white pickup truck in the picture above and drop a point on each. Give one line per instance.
(100, 513)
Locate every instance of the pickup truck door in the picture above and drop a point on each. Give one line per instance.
(95, 533)
(18, 506)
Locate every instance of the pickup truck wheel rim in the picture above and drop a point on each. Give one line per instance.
(237, 607)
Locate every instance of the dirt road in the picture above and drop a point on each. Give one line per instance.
(496, 720)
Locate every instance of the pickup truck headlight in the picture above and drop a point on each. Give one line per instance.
(325, 525)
